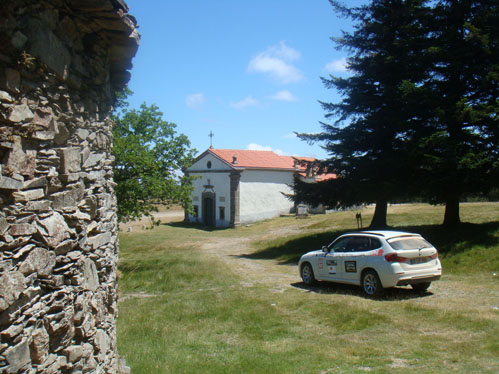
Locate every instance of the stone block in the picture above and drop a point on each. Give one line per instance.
(35, 183)
(82, 134)
(5, 97)
(70, 160)
(38, 206)
(12, 331)
(99, 240)
(20, 113)
(48, 48)
(90, 275)
(61, 134)
(22, 229)
(7, 183)
(65, 247)
(74, 353)
(43, 117)
(69, 198)
(39, 347)
(28, 195)
(43, 135)
(73, 177)
(4, 225)
(54, 229)
(40, 261)
(61, 329)
(93, 159)
(12, 284)
(18, 357)
(19, 160)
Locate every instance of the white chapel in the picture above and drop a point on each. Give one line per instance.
(237, 187)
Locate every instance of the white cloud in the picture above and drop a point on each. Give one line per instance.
(284, 95)
(276, 62)
(249, 101)
(284, 52)
(337, 66)
(195, 101)
(258, 147)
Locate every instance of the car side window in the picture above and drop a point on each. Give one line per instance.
(358, 244)
(375, 243)
(339, 245)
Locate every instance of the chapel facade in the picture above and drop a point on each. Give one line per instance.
(235, 187)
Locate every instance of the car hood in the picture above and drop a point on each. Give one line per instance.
(313, 253)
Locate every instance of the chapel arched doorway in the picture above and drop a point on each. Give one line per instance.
(209, 207)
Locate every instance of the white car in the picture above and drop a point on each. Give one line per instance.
(374, 260)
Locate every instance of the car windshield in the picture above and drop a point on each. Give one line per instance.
(407, 243)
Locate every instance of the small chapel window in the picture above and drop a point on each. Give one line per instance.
(196, 211)
(222, 213)
(208, 164)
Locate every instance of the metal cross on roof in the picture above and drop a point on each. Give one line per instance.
(211, 135)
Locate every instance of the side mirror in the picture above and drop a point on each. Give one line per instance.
(324, 249)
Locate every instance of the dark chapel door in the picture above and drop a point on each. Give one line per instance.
(209, 211)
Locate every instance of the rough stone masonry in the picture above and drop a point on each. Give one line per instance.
(61, 61)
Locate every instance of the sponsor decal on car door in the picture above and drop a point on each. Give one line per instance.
(329, 263)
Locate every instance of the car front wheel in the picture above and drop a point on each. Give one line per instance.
(307, 274)
(371, 284)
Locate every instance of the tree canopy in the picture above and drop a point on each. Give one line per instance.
(368, 141)
(149, 159)
(419, 111)
(459, 151)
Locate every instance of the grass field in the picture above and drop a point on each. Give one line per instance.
(231, 301)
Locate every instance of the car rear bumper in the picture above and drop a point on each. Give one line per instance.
(399, 277)
(416, 280)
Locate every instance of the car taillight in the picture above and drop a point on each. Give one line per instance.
(434, 256)
(393, 257)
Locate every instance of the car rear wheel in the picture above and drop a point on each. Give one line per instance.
(421, 287)
(307, 274)
(371, 285)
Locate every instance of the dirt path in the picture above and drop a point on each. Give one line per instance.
(233, 252)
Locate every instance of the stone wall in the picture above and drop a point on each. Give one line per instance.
(60, 63)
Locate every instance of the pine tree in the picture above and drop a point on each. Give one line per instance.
(459, 157)
(369, 141)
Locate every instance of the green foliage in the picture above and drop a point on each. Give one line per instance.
(149, 158)
(368, 142)
(459, 157)
(418, 116)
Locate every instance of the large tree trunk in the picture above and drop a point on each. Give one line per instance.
(379, 218)
(451, 216)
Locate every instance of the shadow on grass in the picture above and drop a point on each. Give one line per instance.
(291, 251)
(195, 226)
(448, 241)
(451, 241)
(389, 294)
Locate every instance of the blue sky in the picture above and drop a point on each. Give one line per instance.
(247, 70)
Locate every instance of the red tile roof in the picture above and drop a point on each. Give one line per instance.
(255, 159)
(266, 160)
